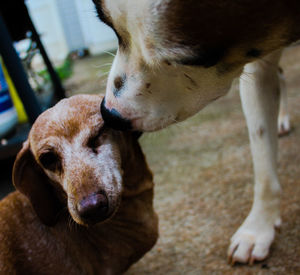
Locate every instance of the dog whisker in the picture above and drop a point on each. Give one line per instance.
(102, 65)
(110, 53)
(103, 74)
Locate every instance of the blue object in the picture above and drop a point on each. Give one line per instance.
(3, 84)
(8, 114)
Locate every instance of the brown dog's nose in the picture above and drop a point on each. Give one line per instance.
(113, 118)
(93, 208)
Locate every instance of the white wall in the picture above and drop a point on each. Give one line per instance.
(71, 24)
(45, 17)
(48, 22)
(97, 35)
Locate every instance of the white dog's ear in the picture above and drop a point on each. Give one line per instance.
(30, 179)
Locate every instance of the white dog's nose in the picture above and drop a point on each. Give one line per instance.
(113, 119)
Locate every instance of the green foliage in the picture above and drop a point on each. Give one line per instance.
(64, 71)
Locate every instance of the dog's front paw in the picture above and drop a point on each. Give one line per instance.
(252, 240)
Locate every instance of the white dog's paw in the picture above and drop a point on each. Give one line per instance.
(252, 241)
(284, 126)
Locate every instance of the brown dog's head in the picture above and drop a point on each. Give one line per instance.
(71, 159)
(176, 56)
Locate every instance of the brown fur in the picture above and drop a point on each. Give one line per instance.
(29, 246)
(228, 33)
(218, 30)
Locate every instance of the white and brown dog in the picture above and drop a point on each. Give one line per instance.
(177, 56)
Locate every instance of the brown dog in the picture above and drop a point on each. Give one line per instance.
(72, 168)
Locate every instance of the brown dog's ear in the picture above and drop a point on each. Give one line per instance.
(30, 179)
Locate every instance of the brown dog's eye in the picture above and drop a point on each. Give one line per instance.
(50, 161)
(97, 140)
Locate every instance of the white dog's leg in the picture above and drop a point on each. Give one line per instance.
(283, 117)
(259, 89)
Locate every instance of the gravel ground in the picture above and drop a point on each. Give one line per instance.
(204, 182)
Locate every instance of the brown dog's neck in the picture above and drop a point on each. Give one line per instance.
(137, 177)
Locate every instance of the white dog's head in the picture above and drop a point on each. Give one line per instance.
(176, 56)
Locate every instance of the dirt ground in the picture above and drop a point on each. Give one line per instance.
(203, 174)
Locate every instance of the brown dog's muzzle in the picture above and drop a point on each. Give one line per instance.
(94, 208)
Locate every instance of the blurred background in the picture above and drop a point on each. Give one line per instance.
(202, 167)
